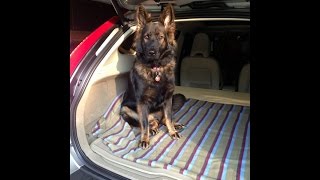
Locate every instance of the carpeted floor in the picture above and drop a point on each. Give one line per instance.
(215, 143)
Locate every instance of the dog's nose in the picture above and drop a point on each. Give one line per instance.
(152, 52)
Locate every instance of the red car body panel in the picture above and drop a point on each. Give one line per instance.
(82, 49)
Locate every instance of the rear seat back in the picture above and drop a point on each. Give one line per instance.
(244, 79)
(198, 69)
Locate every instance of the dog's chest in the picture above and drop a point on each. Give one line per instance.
(155, 95)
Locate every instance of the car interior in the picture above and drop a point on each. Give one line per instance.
(213, 72)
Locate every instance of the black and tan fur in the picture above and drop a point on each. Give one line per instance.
(149, 102)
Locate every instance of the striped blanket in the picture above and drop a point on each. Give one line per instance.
(215, 143)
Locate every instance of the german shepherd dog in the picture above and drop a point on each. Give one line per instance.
(149, 99)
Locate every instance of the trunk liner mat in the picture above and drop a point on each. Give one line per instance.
(215, 143)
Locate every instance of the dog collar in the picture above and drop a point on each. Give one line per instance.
(157, 71)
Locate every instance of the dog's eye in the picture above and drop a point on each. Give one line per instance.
(161, 37)
(147, 36)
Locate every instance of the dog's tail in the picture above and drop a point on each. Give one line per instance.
(178, 101)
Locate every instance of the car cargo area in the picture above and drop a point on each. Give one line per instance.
(215, 142)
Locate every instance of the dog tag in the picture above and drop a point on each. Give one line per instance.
(157, 78)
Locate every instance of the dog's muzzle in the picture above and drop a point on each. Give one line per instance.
(152, 53)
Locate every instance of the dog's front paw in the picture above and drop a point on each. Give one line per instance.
(178, 126)
(154, 131)
(144, 144)
(174, 135)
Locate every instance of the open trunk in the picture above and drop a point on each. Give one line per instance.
(216, 140)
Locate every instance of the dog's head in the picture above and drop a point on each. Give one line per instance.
(154, 39)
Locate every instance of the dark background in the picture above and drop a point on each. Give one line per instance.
(86, 16)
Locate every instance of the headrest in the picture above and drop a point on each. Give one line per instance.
(201, 45)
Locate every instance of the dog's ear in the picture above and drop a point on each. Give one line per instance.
(167, 19)
(142, 17)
